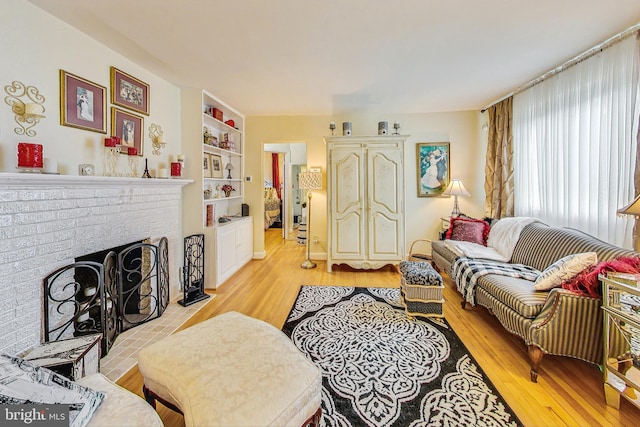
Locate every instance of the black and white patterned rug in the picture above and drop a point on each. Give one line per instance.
(381, 369)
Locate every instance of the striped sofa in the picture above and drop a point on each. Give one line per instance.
(556, 322)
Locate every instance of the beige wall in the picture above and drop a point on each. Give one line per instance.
(34, 47)
(461, 129)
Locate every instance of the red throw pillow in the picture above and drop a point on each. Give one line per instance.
(469, 230)
(587, 283)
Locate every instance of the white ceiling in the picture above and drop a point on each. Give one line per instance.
(303, 57)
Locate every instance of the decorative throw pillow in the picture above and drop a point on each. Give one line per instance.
(564, 269)
(469, 230)
(587, 284)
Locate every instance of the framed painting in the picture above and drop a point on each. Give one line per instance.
(129, 128)
(129, 92)
(83, 104)
(432, 168)
(216, 166)
(206, 165)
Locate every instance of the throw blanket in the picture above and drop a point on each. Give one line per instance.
(505, 233)
(466, 272)
(500, 244)
(473, 250)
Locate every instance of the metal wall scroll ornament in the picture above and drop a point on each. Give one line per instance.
(27, 105)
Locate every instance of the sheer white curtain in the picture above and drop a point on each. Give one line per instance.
(574, 143)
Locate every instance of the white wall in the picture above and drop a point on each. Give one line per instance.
(34, 47)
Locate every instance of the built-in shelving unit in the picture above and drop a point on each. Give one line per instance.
(212, 140)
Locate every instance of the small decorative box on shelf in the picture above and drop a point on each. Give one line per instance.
(73, 358)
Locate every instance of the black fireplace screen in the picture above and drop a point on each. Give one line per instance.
(130, 287)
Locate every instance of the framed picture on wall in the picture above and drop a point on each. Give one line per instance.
(83, 104)
(129, 92)
(432, 168)
(129, 128)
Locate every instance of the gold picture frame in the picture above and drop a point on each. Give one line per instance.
(83, 104)
(129, 128)
(432, 168)
(129, 92)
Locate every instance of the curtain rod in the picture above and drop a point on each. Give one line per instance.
(570, 63)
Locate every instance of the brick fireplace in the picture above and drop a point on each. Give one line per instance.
(46, 221)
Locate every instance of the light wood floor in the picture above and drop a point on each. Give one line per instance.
(568, 393)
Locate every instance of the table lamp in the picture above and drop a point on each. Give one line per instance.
(632, 209)
(455, 189)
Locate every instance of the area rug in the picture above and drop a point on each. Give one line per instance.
(381, 369)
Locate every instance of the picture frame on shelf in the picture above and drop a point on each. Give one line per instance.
(83, 104)
(216, 166)
(129, 92)
(432, 168)
(206, 165)
(129, 128)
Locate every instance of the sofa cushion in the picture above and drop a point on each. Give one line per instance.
(587, 284)
(468, 229)
(442, 256)
(540, 245)
(564, 269)
(517, 294)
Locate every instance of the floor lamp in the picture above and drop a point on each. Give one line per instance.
(455, 189)
(309, 181)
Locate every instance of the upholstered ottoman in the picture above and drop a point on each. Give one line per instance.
(421, 289)
(232, 370)
(120, 407)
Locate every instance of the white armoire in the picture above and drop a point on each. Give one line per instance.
(365, 191)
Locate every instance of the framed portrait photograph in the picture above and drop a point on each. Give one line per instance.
(206, 165)
(216, 166)
(432, 168)
(129, 92)
(129, 128)
(83, 104)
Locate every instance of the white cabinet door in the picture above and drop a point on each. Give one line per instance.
(347, 202)
(227, 258)
(385, 219)
(244, 241)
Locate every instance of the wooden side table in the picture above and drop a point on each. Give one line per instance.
(444, 226)
(73, 358)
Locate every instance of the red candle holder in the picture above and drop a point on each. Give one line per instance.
(132, 151)
(30, 155)
(109, 142)
(176, 169)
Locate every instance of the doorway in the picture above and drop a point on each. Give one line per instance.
(282, 164)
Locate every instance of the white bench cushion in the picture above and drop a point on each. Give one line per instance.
(233, 370)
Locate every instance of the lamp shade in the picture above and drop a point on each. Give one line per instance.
(310, 180)
(632, 208)
(455, 188)
(229, 166)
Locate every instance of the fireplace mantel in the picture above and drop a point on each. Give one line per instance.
(40, 179)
